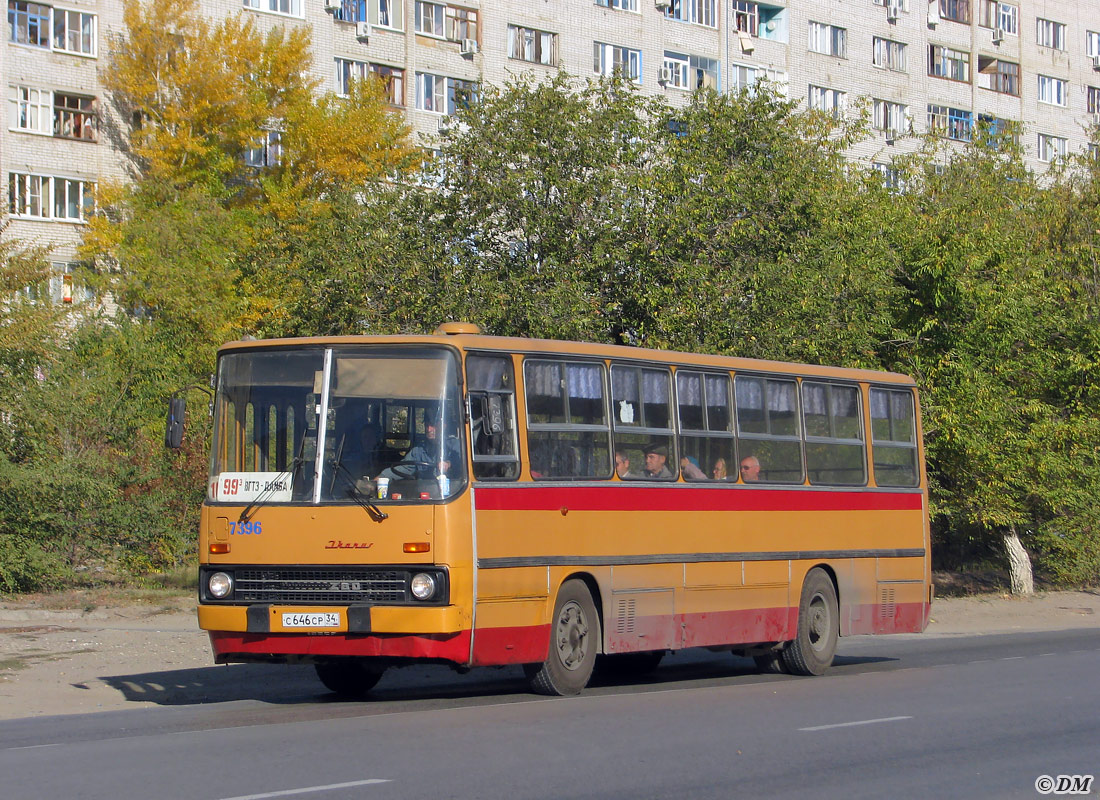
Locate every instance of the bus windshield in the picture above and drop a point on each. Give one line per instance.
(392, 429)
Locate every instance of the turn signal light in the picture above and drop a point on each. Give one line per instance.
(417, 547)
(219, 548)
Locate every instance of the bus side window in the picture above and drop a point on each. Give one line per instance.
(894, 437)
(492, 417)
(567, 426)
(767, 427)
(834, 434)
(706, 439)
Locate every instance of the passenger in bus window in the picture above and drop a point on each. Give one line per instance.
(690, 468)
(622, 465)
(656, 462)
(750, 469)
(718, 471)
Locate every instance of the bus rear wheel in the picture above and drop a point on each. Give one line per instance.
(812, 650)
(574, 639)
(348, 677)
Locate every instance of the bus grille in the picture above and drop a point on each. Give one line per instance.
(320, 586)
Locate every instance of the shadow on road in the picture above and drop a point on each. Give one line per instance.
(298, 684)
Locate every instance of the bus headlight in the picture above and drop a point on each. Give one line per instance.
(422, 586)
(220, 584)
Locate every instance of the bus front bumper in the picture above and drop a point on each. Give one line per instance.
(258, 633)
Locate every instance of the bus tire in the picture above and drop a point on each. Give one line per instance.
(770, 663)
(574, 640)
(812, 650)
(348, 677)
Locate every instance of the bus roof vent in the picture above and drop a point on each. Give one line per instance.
(455, 328)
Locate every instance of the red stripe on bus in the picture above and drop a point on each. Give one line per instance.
(234, 646)
(617, 497)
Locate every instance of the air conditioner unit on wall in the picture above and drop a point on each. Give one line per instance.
(468, 47)
(892, 12)
(998, 35)
(664, 75)
(934, 13)
(333, 5)
(362, 31)
(662, 4)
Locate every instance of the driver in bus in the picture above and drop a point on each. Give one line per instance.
(425, 456)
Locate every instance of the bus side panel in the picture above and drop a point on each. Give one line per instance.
(642, 608)
(512, 617)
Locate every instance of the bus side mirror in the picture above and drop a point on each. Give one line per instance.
(173, 429)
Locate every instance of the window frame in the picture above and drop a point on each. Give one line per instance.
(944, 62)
(508, 395)
(522, 36)
(912, 444)
(605, 62)
(832, 439)
(889, 54)
(92, 35)
(1056, 89)
(568, 427)
(1050, 34)
(767, 436)
(832, 37)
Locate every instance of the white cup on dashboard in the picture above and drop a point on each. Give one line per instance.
(383, 488)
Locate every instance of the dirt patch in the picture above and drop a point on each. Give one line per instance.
(94, 657)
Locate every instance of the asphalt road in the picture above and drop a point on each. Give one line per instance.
(910, 716)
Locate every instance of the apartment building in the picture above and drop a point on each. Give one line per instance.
(942, 66)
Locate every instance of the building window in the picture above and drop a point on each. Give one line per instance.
(445, 22)
(746, 76)
(1000, 16)
(1092, 43)
(352, 11)
(620, 5)
(690, 72)
(901, 5)
(1052, 90)
(268, 150)
(830, 101)
(943, 62)
(746, 17)
(891, 117)
(994, 130)
(609, 58)
(29, 23)
(74, 32)
(954, 123)
(891, 176)
(291, 8)
(1051, 147)
(999, 76)
(1050, 34)
(828, 39)
(701, 12)
(1092, 100)
(443, 95)
(955, 10)
(74, 117)
(47, 197)
(346, 71)
(30, 110)
(536, 47)
(888, 54)
(393, 82)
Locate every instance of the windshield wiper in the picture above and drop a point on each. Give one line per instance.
(262, 498)
(361, 500)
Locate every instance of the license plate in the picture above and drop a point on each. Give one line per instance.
(324, 619)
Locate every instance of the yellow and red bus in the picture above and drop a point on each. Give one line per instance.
(459, 498)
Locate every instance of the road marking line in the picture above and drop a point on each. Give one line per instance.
(852, 724)
(308, 789)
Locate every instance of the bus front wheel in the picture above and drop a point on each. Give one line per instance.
(348, 677)
(574, 639)
(812, 650)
